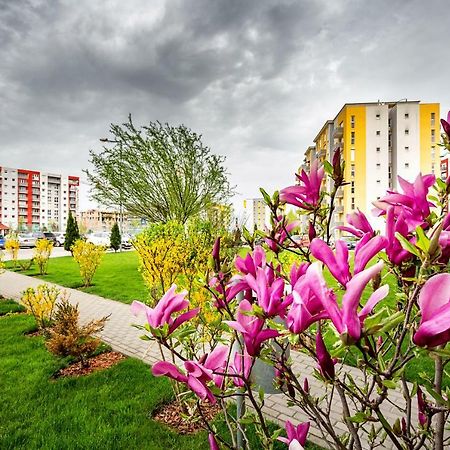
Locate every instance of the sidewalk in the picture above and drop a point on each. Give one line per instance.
(122, 336)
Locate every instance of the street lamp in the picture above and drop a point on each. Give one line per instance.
(113, 141)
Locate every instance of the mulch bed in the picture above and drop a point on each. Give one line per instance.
(96, 363)
(172, 415)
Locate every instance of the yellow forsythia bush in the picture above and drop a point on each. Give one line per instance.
(162, 250)
(42, 253)
(40, 302)
(12, 247)
(88, 256)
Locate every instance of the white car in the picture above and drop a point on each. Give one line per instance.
(60, 237)
(99, 238)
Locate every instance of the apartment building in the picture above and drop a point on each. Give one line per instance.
(445, 168)
(257, 213)
(101, 220)
(379, 141)
(33, 200)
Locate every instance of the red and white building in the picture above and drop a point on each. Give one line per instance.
(445, 168)
(34, 200)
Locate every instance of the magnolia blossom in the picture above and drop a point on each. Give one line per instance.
(346, 319)
(280, 233)
(446, 125)
(212, 442)
(306, 194)
(252, 329)
(197, 375)
(326, 363)
(338, 263)
(396, 224)
(412, 203)
(241, 365)
(296, 435)
(359, 224)
(169, 304)
(434, 303)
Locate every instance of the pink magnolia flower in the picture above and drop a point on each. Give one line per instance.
(434, 303)
(296, 435)
(359, 224)
(297, 271)
(394, 250)
(326, 363)
(251, 261)
(279, 235)
(306, 307)
(197, 375)
(306, 194)
(412, 203)
(241, 365)
(212, 442)
(421, 407)
(169, 304)
(346, 319)
(251, 328)
(338, 264)
(269, 292)
(446, 125)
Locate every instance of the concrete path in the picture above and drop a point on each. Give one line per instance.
(122, 336)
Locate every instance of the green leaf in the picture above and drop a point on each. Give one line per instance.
(328, 168)
(390, 384)
(266, 196)
(422, 240)
(406, 245)
(359, 417)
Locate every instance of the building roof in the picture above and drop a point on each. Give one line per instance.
(328, 122)
(3, 227)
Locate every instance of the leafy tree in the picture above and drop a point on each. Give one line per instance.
(72, 232)
(158, 172)
(115, 238)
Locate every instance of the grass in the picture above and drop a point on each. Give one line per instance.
(9, 307)
(110, 409)
(116, 278)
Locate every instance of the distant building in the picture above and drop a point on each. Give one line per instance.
(257, 213)
(35, 200)
(379, 141)
(100, 220)
(444, 168)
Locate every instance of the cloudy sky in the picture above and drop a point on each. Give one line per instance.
(256, 78)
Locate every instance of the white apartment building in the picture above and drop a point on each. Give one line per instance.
(34, 200)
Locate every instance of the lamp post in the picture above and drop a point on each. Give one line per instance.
(113, 141)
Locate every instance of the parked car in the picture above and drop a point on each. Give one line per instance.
(27, 240)
(350, 242)
(60, 238)
(99, 238)
(52, 237)
(126, 241)
(2, 242)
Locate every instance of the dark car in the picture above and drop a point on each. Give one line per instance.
(52, 237)
(2, 242)
(350, 242)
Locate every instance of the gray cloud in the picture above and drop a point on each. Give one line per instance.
(256, 78)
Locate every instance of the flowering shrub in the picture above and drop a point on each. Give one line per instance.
(335, 306)
(42, 253)
(12, 247)
(88, 256)
(40, 302)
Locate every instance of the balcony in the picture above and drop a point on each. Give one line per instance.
(340, 193)
(322, 153)
(339, 224)
(339, 209)
(338, 132)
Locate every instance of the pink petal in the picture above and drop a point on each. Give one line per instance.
(164, 368)
(434, 294)
(376, 297)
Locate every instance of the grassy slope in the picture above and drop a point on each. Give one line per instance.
(108, 409)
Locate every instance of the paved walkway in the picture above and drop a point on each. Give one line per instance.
(122, 336)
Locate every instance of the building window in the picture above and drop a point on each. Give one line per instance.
(352, 121)
(352, 154)
(353, 203)
(433, 135)
(378, 165)
(378, 181)
(433, 118)
(378, 149)
(352, 140)
(406, 165)
(352, 170)
(406, 116)
(378, 116)
(378, 133)
(406, 131)
(352, 190)
(406, 148)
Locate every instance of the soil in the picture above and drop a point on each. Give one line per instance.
(33, 333)
(99, 362)
(173, 416)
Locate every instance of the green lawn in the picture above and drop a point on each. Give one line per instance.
(116, 278)
(9, 306)
(109, 409)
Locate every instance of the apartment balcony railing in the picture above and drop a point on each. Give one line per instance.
(339, 209)
(340, 193)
